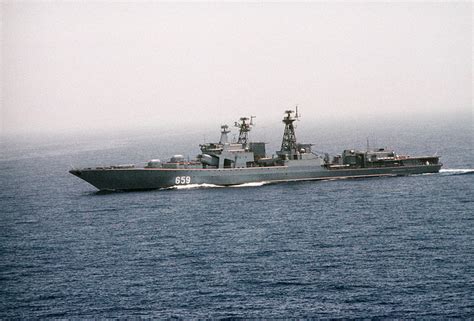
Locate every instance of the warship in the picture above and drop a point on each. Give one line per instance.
(243, 161)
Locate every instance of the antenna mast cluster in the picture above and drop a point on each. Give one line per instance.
(245, 125)
(288, 144)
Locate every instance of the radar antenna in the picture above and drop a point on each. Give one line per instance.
(288, 143)
(245, 125)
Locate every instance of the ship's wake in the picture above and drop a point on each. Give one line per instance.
(194, 186)
(456, 171)
(445, 172)
(253, 184)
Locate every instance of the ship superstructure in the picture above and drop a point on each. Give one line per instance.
(244, 161)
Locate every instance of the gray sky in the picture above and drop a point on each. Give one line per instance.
(88, 66)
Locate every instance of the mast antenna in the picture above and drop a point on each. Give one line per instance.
(251, 120)
(245, 125)
(289, 146)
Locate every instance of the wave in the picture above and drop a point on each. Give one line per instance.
(456, 171)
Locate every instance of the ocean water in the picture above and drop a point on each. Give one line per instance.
(379, 247)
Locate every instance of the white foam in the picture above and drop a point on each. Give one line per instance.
(456, 171)
(423, 174)
(253, 184)
(192, 186)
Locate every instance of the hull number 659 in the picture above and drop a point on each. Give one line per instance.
(182, 180)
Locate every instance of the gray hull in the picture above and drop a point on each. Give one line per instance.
(155, 178)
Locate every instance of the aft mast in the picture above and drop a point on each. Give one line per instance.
(289, 147)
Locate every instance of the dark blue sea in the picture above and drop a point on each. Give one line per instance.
(399, 247)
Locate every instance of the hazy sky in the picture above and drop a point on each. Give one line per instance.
(79, 65)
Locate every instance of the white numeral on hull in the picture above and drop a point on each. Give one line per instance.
(180, 180)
